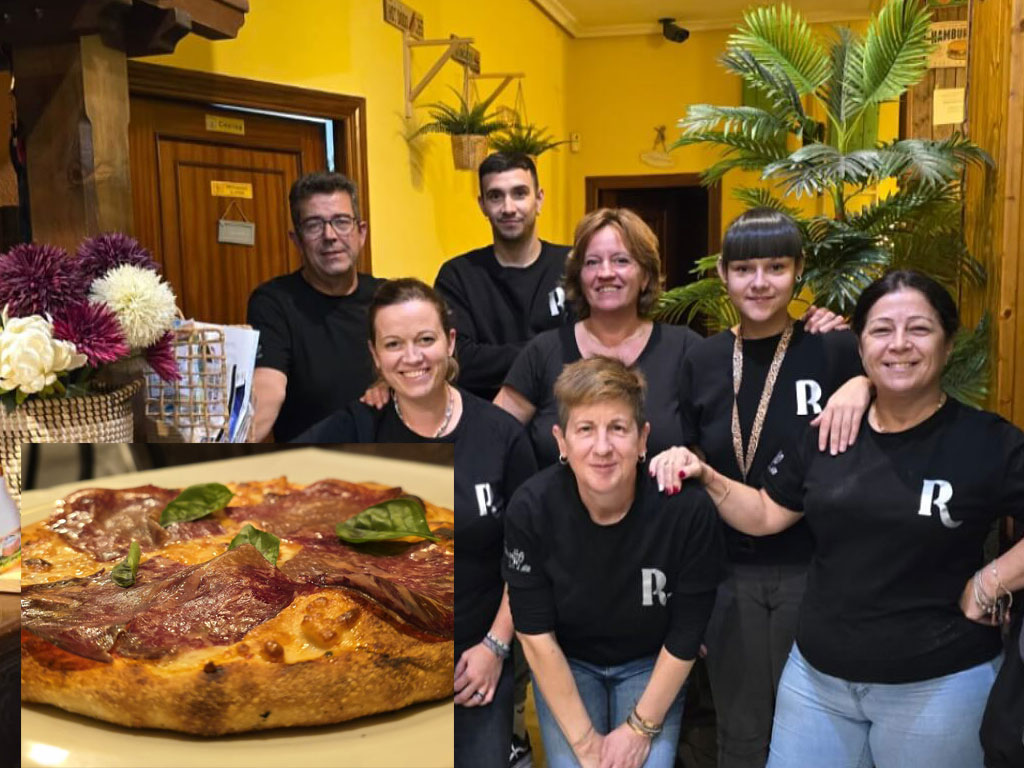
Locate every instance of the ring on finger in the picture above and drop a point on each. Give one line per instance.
(479, 695)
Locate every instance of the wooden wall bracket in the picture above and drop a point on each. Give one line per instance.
(505, 77)
(408, 43)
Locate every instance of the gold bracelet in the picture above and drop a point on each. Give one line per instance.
(725, 485)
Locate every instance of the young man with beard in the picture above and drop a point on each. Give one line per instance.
(504, 294)
(312, 356)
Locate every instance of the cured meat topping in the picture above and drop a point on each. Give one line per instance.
(311, 514)
(103, 522)
(415, 581)
(170, 607)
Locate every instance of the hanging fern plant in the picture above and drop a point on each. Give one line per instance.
(846, 76)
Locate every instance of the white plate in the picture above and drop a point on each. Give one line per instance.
(417, 737)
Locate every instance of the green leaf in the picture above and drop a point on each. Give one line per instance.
(195, 502)
(267, 544)
(893, 55)
(123, 574)
(392, 519)
(779, 37)
(966, 376)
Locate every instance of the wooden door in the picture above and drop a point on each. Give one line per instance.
(176, 160)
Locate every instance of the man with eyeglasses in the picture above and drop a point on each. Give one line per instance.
(504, 294)
(313, 356)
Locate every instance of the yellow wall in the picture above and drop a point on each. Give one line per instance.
(612, 91)
(622, 87)
(422, 210)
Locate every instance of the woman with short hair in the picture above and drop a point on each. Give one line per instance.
(898, 642)
(610, 583)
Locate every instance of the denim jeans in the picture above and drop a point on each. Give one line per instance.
(609, 694)
(483, 735)
(822, 720)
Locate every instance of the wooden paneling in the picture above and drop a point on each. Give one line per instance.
(995, 206)
(175, 158)
(348, 113)
(916, 104)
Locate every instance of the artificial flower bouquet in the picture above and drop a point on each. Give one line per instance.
(65, 319)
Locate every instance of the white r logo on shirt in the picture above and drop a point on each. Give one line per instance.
(556, 301)
(938, 493)
(484, 498)
(653, 582)
(808, 393)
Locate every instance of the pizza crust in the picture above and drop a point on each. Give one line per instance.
(329, 656)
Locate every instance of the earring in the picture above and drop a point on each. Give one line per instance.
(799, 278)
(641, 458)
(563, 459)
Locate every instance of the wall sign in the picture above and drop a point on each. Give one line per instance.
(221, 124)
(950, 39)
(231, 189)
(400, 15)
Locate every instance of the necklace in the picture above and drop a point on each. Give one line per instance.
(873, 416)
(625, 350)
(448, 410)
(745, 461)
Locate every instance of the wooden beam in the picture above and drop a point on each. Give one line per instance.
(72, 100)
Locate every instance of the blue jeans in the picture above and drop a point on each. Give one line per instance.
(822, 720)
(609, 694)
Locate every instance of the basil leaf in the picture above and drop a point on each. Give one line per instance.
(123, 574)
(392, 519)
(195, 502)
(267, 544)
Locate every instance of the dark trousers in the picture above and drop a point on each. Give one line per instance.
(483, 735)
(749, 638)
(1002, 727)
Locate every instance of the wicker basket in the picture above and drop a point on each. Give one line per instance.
(468, 151)
(97, 418)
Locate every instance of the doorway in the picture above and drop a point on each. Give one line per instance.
(686, 217)
(210, 183)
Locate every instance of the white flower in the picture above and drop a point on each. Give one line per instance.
(141, 300)
(30, 358)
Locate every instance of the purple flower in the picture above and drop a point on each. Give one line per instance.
(160, 356)
(40, 280)
(94, 331)
(98, 255)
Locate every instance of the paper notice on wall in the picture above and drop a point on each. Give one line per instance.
(947, 106)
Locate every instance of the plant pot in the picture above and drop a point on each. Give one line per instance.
(104, 417)
(468, 151)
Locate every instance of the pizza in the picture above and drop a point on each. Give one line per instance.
(208, 634)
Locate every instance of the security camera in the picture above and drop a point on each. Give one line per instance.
(673, 31)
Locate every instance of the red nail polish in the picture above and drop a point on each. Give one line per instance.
(682, 473)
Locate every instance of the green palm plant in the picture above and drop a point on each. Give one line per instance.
(843, 77)
(523, 140)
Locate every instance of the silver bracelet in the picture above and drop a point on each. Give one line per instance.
(495, 646)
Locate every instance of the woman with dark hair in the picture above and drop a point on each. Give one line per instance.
(613, 279)
(898, 643)
(742, 391)
(610, 584)
(412, 344)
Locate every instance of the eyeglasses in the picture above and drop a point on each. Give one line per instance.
(316, 226)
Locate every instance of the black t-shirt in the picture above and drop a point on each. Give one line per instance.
(534, 372)
(612, 593)
(492, 458)
(814, 367)
(899, 521)
(498, 309)
(317, 341)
